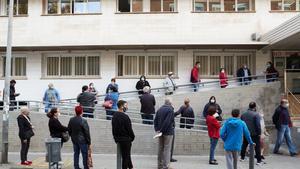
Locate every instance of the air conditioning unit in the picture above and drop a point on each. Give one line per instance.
(255, 37)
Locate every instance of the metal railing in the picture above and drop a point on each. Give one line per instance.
(294, 103)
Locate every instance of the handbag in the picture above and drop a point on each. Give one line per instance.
(65, 136)
(107, 104)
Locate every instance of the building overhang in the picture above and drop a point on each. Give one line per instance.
(284, 37)
(255, 46)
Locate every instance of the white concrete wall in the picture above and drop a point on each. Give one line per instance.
(109, 28)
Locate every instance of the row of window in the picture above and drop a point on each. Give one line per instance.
(94, 6)
(154, 64)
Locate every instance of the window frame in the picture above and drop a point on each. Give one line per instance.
(222, 3)
(73, 56)
(283, 8)
(13, 68)
(146, 9)
(146, 62)
(131, 7)
(4, 8)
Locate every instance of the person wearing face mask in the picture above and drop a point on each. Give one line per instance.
(55, 127)
(92, 89)
(282, 121)
(113, 83)
(223, 78)
(212, 102)
(271, 73)
(244, 75)
(123, 133)
(141, 84)
(195, 76)
(169, 84)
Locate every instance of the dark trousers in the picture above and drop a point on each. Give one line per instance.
(24, 150)
(256, 140)
(109, 114)
(147, 118)
(88, 114)
(185, 123)
(125, 147)
(83, 148)
(172, 147)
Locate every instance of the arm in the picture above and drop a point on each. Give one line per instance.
(78, 98)
(216, 123)
(156, 123)
(45, 97)
(86, 130)
(219, 109)
(247, 133)
(21, 128)
(59, 126)
(57, 96)
(257, 124)
(69, 128)
(178, 112)
(129, 129)
(154, 101)
(223, 133)
(204, 113)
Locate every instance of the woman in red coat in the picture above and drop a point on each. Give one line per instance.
(213, 127)
(223, 78)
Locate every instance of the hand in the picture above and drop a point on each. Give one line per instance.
(32, 127)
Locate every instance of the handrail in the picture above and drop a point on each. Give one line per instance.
(295, 106)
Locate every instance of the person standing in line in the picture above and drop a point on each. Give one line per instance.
(212, 102)
(187, 115)
(195, 76)
(147, 106)
(55, 127)
(169, 84)
(252, 120)
(113, 97)
(213, 127)
(223, 78)
(87, 101)
(271, 73)
(141, 84)
(164, 123)
(51, 97)
(112, 83)
(80, 135)
(12, 94)
(263, 135)
(123, 133)
(92, 89)
(232, 134)
(244, 75)
(25, 134)
(282, 121)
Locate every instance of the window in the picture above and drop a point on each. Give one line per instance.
(18, 66)
(130, 5)
(224, 5)
(71, 65)
(212, 62)
(20, 7)
(285, 5)
(163, 5)
(72, 6)
(149, 64)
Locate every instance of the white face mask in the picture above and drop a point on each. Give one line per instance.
(212, 101)
(223, 71)
(286, 105)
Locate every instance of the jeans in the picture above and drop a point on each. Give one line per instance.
(164, 151)
(49, 106)
(245, 81)
(213, 145)
(231, 159)
(256, 140)
(284, 132)
(125, 147)
(24, 150)
(196, 87)
(83, 148)
(88, 114)
(109, 114)
(147, 118)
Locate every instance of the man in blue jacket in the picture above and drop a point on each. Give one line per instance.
(232, 134)
(164, 123)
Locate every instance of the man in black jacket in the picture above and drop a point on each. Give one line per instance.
(123, 133)
(252, 120)
(12, 94)
(87, 99)
(244, 75)
(147, 106)
(164, 123)
(80, 135)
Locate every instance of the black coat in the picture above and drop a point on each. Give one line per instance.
(186, 112)
(87, 101)
(164, 121)
(147, 103)
(122, 128)
(12, 92)
(56, 128)
(140, 85)
(24, 127)
(240, 73)
(205, 110)
(79, 130)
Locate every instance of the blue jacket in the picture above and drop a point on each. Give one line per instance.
(164, 120)
(114, 97)
(232, 134)
(51, 96)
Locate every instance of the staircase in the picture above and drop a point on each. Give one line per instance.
(294, 101)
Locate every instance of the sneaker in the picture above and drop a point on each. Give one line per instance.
(277, 152)
(173, 160)
(259, 163)
(25, 163)
(293, 154)
(30, 162)
(242, 159)
(213, 163)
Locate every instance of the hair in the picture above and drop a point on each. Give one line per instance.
(13, 81)
(52, 112)
(121, 103)
(235, 113)
(91, 83)
(78, 110)
(212, 98)
(197, 63)
(252, 105)
(146, 89)
(50, 85)
(85, 88)
(212, 110)
(113, 80)
(168, 101)
(186, 101)
(24, 109)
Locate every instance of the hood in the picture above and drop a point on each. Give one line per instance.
(233, 122)
(143, 77)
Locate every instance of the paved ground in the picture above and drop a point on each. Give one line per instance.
(149, 162)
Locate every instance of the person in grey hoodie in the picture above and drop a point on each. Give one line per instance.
(252, 120)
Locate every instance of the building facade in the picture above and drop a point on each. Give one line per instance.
(74, 42)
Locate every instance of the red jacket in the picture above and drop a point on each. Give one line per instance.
(213, 127)
(195, 75)
(223, 79)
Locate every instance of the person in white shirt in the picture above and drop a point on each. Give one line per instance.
(169, 84)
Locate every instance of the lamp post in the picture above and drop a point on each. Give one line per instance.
(5, 120)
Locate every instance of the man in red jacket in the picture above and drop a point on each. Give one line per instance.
(195, 76)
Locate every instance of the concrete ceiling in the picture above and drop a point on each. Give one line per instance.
(290, 43)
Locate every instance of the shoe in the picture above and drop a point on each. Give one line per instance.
(30, 162)
(278, 153)
(173, 160)
(242, 160)
(259, 163)
(215, 160)
(293, 154)
(213, 163)
(25, 163)
(263, 157)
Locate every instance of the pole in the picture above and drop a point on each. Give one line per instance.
(5, 120)
(251, 158)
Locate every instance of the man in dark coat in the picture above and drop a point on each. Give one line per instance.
(212, 102)
(80, 135)
(271, 73)
(244, 75)
(123, 133)
(147, 106)
(141, 84)
(87, 100)
(12, 94)
(187, 115)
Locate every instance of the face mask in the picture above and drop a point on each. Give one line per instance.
(143, 79)
(223, 71)
(125, 109)
(286, 105)
(245, 67)
(212, 101)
